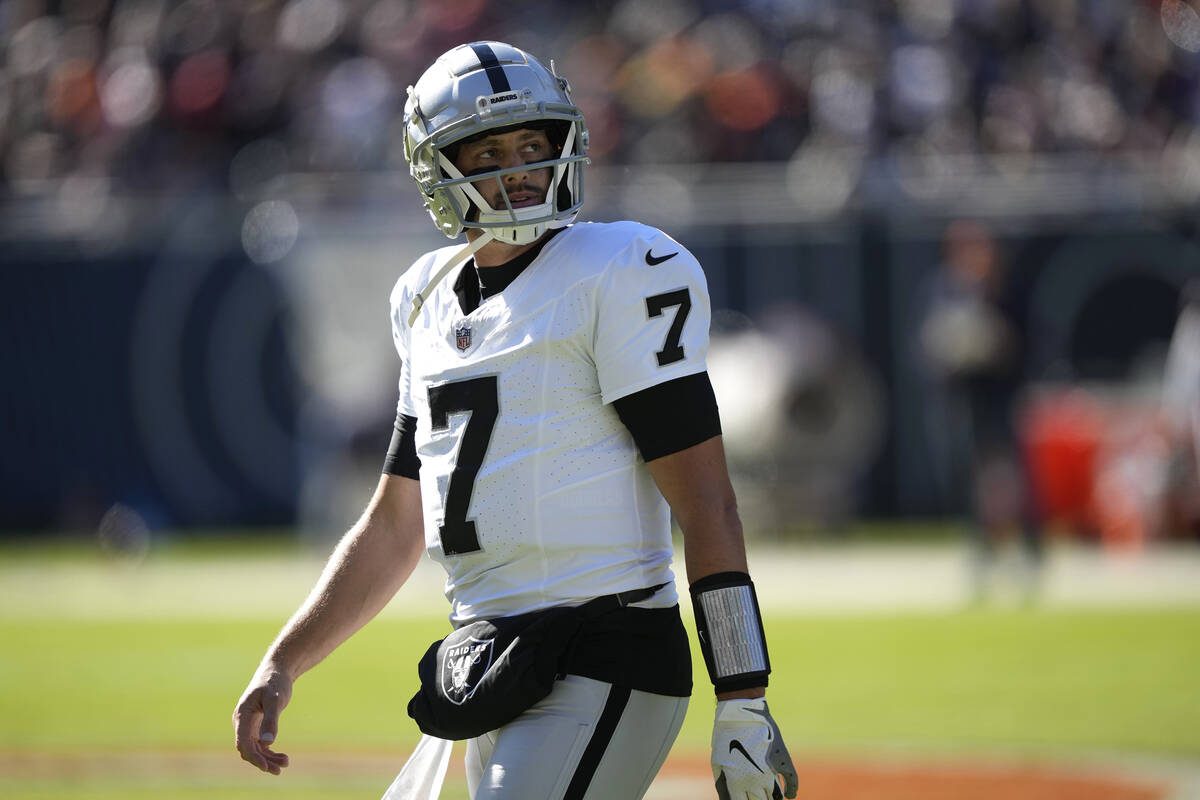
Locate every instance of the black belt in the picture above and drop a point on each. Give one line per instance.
(611, 602)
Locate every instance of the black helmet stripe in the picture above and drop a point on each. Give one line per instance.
(495, 72)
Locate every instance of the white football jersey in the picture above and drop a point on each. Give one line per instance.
(534, 493)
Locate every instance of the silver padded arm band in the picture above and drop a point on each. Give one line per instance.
(730, 629)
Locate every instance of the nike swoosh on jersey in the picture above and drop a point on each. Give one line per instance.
(652, 259)
(736, 745)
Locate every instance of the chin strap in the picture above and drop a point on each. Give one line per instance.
(462, 255)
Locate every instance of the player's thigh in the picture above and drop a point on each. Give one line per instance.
(587, 740)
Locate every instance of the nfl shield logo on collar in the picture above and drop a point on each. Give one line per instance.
(462, 337)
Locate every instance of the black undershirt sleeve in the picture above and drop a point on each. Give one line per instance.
(402, 452)
(672, 416)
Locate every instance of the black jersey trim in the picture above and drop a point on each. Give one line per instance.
(466, 288)
(402, 452)
(671, 416)
(495, 72)
(472, 288)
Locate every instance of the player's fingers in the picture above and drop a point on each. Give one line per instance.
(266, 759)
(267, 766)
(269, 726)
(791, 784)
(772, 792)
(274, 762)
(246, 721)
(743, 787)
(273, 701)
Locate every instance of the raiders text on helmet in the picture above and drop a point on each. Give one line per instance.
(484, 86)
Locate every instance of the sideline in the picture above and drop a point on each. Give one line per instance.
(803, 579)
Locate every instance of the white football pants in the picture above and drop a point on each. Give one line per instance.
(586, 740)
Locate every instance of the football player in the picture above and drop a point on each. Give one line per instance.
(554, 410)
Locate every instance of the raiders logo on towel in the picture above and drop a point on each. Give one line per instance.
(488, 672)
(465, 664)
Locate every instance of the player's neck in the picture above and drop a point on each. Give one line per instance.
(495, 254)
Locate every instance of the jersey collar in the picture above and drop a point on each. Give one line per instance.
(473, 286)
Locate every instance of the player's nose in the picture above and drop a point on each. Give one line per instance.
(512, 158)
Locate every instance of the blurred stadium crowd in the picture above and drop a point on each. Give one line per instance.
(161, 95)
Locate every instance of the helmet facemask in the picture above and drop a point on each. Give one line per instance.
(456, 100)
(517, 225)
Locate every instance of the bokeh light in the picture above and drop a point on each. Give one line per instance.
(200, 82)
(270, 231)
(744, 100)
(33, 46)
(1181, 22)
(131, 89)
(310, 25)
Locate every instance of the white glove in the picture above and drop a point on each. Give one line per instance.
(748, 753)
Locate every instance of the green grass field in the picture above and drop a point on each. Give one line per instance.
(107, 706)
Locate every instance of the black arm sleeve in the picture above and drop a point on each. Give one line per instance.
(402, 452)
(671, 416)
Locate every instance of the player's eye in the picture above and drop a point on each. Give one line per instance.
(533, 153)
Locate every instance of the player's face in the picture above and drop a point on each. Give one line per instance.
(504, 150)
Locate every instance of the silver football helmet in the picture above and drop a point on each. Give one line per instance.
(484, 86)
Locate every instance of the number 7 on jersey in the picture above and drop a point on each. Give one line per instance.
(672, 350)
(479, 397)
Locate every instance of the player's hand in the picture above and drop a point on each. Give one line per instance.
(748, 754)
(256, 720)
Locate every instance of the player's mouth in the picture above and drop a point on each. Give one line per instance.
(521, 199)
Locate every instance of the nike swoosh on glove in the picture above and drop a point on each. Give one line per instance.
(748, 753)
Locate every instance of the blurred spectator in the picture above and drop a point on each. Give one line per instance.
(971, 347)
(1181, 413)
(802, 414)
